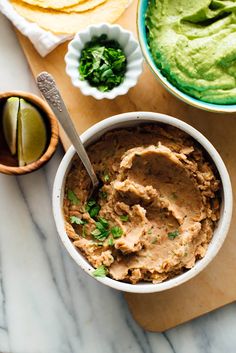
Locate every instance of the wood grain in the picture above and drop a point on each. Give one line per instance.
(214, 287)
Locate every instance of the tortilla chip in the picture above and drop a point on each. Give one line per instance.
(70, 23)
(53, 4)
(83, 6)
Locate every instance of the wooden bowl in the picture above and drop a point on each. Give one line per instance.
(9, 163)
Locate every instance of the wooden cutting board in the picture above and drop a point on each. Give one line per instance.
(214, 287)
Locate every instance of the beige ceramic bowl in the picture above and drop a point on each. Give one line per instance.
(128, 120)
(8, 164)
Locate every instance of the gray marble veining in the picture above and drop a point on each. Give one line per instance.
(47, 304)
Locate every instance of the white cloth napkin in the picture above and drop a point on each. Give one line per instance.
(43, 41)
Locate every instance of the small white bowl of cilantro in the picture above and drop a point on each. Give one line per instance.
(104, 61)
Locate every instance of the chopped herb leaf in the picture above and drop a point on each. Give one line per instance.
(96, 232)
(101, 271)
(90, 204)
(101, 232)
(100, 235)
(84, 232)
(173, 235)
(103, 195)
(72, 197)
(104, 235)
(102, 63)
(99, 226)
(124, 218)
(150, 231)
(77, 220)
(104, 222)
(106, 178)
(92, 208)
(116, 232)
(111, 241)
(94, 211)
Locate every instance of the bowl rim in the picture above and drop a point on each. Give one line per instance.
(124, 119)
(88, 90)
(54, 137)
(210, 107)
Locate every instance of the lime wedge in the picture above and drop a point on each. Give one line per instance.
(10, 113)
(32, 134)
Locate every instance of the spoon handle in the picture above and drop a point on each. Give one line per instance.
(49, 90)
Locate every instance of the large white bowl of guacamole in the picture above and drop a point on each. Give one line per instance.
(193, 47)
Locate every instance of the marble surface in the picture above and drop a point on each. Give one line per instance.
(47, 304)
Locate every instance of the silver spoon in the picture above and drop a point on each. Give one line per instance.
(49, 90)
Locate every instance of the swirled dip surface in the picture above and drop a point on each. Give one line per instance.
(158, 205)
(194, 45)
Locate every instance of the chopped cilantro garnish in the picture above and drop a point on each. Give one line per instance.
(106, 177)
(77, 220)
(101, 271)
(111, 241)
(92, 208)
(173, 235)
(99, 226)
(103, 194)
(84, 232)
(101, 232)
(150, 231)
(103, 63)
(104, 222)
(116, 232)
(90, 204)
(105, 234)
(72, 197)
(124, 218)
(94, 211)
(96, 233)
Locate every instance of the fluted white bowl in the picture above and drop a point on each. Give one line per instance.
(130, 47)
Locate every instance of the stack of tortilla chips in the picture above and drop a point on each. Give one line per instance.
(69, 16)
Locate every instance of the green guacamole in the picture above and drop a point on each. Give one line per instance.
(193, 43)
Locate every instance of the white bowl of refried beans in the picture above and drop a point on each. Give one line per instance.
(163, 208)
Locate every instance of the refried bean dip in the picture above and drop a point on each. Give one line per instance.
(157, 207)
